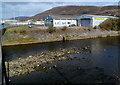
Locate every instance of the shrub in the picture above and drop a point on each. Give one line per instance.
(51, 29)
(64, 28)
(23, 31)
(95, 27)
(89, 29)
(110, 24)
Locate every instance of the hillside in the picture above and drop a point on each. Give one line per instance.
(20, 18)
(79, 10)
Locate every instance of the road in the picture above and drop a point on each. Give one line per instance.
(41, 27)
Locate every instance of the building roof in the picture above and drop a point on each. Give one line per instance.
(63, 16)
(99, 16)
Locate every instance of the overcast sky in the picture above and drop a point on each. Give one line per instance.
(14, 9)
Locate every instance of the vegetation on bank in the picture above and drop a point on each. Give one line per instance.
(51, 29)
(25, 40)
(20, 29)
(111, 24)
(25, 29)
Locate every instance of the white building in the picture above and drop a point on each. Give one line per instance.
(9, 21)
(91, 20)
(15, 22)
(61, 20)
(39, 22)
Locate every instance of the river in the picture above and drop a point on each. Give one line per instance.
(1, 26)
(104, 55)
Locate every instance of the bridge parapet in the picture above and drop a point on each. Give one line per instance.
(3, 76)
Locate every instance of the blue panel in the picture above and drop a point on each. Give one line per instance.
(85, 23)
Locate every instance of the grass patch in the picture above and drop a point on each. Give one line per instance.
(51, 29)
(20, 29)
(64, 28)
(23, 40)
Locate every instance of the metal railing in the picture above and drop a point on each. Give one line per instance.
(3, 76)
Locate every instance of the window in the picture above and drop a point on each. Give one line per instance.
(63, 22)
(68, 22)
(57, 19)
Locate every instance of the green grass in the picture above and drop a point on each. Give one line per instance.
(20, 29)
(23, 40)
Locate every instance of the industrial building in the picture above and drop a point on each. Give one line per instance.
(61, 20)
(91, 20)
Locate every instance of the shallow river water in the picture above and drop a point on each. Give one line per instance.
(101, 65)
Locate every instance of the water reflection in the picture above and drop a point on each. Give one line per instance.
(97, 47)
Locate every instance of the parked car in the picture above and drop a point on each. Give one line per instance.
(72, 25)
(30, 25)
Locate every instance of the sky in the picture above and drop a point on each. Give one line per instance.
(59, 0)
(13, 9)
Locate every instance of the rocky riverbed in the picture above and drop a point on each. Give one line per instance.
(22, 66)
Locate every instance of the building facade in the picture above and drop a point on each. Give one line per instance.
(91, 20)
(39, 22)
(61, 20)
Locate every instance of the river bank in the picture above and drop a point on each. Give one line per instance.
(42, 36)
